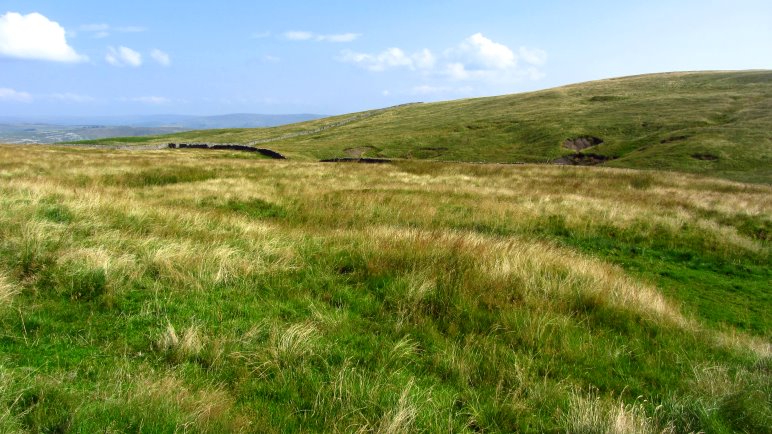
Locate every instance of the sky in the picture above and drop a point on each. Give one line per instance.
(94, 58)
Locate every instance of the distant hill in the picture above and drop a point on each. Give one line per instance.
(54, 129)
(714, 123)
(237, 120)
(52, 133)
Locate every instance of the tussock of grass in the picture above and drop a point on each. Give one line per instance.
(414, 297)
(591, 414)
(178, 347)
(7, 291)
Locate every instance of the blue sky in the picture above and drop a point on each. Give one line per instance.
(203, 57)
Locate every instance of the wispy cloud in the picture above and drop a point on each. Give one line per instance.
(301, 35)
(161, 57)
(533, 56)
(390, 58)
(102, 30)
(7, 94)
(342, 37)
(34, 36)
(123, 56)
(71, 97)
(94, 28)
(296, 35)
(151, 100)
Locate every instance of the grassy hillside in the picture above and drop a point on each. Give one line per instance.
(196, 291)
(714, 123)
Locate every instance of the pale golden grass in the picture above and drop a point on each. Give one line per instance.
(187, 344)
(615, 206)
(749, 199)
(401, 418)
(207, 410)
(297, 340)
(353, 393)
(591, 414)
(118, 266)
(403, 352)
(180, 251)
(7, 291)
(194, 266)
(527, 203)
(327, 318)
(716, 382)
(545, 269)
(420, 284)
(284, 349)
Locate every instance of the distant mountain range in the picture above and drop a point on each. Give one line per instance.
(54, 129)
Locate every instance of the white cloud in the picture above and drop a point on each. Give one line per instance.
(298, 35)
(389, 59)
(7, 94)
(424, 59)
(478, 58)
(161, 57)
(123, 56)
(34, 36)
(475, 59)
(480, 53)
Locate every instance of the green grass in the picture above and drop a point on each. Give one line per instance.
(711, 123)
(163, 291)
(141, 139)
(720, 289)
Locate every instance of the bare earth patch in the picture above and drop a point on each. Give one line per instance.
(359, 151)
(582, 142)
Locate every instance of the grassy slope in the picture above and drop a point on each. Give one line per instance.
(169, 290)
(723, 114)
